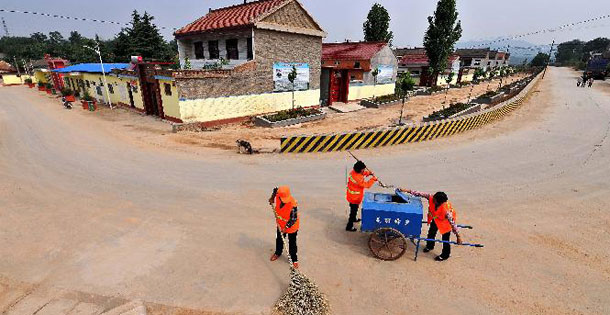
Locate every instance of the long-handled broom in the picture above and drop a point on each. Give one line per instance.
(303, 296)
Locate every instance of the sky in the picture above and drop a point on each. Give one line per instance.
(341, 19)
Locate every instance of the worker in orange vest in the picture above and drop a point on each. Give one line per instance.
(441, 218)
(356, 183)
(287, 219)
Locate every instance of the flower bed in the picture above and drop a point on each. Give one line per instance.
(290, 117)
(381, 101)
(449, 111)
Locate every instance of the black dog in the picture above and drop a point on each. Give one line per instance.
(244, 147)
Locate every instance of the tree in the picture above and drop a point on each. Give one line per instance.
(404, 84)
(570, 53)
(449, 79)
(541, 60)
(444, 30)
(478, 73)
(377, 25)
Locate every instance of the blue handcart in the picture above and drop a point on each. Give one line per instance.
(393, 219)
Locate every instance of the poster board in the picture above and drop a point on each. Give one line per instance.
(386, 74)
(281, 70)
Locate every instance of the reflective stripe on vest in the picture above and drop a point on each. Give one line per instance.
(353, 192)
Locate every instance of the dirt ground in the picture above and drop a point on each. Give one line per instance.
(96, 212)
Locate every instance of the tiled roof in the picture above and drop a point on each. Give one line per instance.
(473, 53)
(6, 67)
(233, 16)
(351, 51)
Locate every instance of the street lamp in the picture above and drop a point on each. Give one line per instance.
(97, 50)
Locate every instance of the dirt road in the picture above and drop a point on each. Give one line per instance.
(89, 206)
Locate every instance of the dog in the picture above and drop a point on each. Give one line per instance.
(244, 147)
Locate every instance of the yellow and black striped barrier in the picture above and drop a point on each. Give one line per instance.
(397, 135)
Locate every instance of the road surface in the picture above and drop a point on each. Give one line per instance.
(88, 208)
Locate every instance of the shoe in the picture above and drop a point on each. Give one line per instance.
(274, 257)
(295, 265)
(426, 249)
(439, 258)
(351, 230)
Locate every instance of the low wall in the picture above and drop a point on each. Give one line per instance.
(13, 79)
(359, 92)
(406, 134)
(224, 108)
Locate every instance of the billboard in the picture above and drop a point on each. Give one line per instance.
(281, 70)
(386, 74)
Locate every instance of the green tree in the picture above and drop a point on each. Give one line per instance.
(377, 25)
(541, 60)
(404, 84)
(444, 30)
(570, 53)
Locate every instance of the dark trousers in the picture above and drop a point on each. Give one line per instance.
(432, 235)
(353, 213)
(292, 245)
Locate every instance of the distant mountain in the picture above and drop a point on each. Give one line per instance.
(520, 50)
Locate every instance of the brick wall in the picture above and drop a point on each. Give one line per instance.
(269, 47)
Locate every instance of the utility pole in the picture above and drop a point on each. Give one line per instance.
(18, 71)
(549, 61)
(99, 53)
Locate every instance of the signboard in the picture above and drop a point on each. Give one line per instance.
(281, 71)
(386, 74)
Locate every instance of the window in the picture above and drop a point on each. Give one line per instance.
(250, 49)
(213, 49)
(357, 64)
(199, 50)
(232, 52)
(168, 89)
(337, 63)
(111, 88)
(88, 84)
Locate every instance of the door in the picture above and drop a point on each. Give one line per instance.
(339, 85)
(335, 87)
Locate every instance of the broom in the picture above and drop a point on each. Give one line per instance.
(303, 296)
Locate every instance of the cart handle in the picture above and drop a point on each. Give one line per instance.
(448, 242)
(469, 227)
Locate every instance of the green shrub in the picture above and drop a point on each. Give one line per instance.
(386, 98)
(448, 112)
(28, 81)
(49, 86)
(87, 97)
(292, 113)
(40, 84)
(66, 92)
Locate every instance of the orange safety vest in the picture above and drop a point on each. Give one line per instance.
(356, 186)
(283, 215)
(440, 215)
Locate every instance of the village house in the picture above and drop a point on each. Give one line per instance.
(416, 62)
(483, 58)
(240, 58)
(347, 71)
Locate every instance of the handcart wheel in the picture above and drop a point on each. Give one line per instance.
(387, 244)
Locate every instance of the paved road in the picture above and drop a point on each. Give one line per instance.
(84, 208)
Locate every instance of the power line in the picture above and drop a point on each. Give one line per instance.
(544, 31)
(59, 16)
